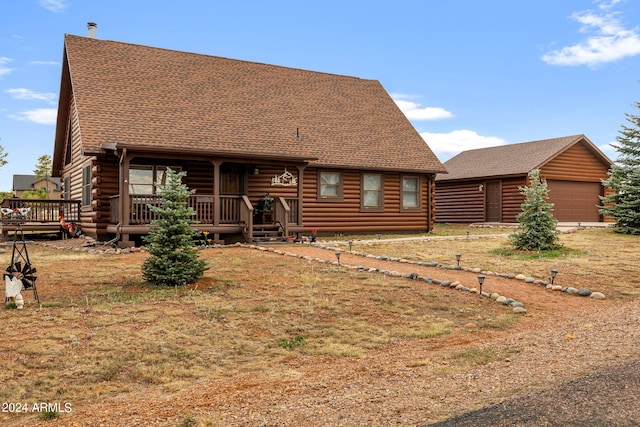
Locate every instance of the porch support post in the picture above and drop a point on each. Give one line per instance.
(216, 195)
(125, 206)
(301, 169)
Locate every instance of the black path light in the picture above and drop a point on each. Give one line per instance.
(338, 256)
(481, 281)
(350, 243)
(554, 273)
(467, 234)
(458, 256)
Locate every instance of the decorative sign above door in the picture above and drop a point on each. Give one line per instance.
(285, 180)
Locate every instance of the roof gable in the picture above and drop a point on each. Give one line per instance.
(513, 159)
(27, 182)
(156, 98)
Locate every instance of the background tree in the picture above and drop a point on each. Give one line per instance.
(3, 156)
(537, 224)
(43, 170)
(38, 193)
(624, 179)
(174, 258)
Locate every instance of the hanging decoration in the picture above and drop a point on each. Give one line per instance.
(285, 180)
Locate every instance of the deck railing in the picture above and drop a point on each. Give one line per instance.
(281, 214)
(46, 210)
(236, 209)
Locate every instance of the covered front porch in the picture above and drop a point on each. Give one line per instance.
(216, 214)
(228, 194)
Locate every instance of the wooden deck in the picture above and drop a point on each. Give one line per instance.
(44, 215)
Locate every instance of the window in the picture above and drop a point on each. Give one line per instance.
(86, 185)
(372, 192)
(146, 179)
(69, 146)
(330, 185)
(67, 187)
(410, 193)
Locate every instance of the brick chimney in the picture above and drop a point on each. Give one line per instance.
(92, 27)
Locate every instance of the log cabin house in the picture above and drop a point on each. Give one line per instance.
(482, 185)
(333, 153)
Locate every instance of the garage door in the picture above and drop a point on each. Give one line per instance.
(575, 201)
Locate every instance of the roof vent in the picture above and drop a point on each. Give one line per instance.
(92, 27)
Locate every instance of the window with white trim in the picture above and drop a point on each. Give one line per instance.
(410, 192)
(372, 190)
(330, 185)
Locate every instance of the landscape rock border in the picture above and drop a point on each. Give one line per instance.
(527, 279)
(516, 306)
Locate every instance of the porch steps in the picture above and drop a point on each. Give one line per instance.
(266, 233)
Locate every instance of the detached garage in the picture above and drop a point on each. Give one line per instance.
(483, 185)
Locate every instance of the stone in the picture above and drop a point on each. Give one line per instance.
(459, 286)
(473, 290)
(476, 270)
(501, 299)
(435, 281)
(494, 296)
(445, 283)
(508, 301)
(584, 292)
(521, 277)
(529, 279)
(519, 310)
(597, 295)
(572, 291)
(517, 304)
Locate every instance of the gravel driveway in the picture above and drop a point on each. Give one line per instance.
(607, 398)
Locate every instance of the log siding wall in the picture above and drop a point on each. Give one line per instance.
(575, 164)
(347, 216)
(461, 201)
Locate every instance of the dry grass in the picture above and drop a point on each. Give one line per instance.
(101, 332)
(596, 258)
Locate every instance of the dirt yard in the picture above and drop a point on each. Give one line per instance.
(268, 339)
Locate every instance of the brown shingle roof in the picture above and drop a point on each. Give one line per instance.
(512, 159)
(144, 96)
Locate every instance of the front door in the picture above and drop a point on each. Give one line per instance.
(493, 198)
(232, 180)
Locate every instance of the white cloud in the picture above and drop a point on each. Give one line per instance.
(446, 145)
(608, 39)
(3, 68)
(26, 94)
(43, 116)
(53, 5)
(414, 111)
(44, 63)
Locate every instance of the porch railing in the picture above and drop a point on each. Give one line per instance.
(236, 209)
(46, 210)
(246, 218)
(281, 214)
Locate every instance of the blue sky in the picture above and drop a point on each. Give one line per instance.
(467, 73)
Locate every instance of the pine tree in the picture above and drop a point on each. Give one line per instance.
(3, 156)
(624, 179)
(174, 258)
(43, 170)
(537, 224)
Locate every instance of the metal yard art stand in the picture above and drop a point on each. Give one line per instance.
(20, 267)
